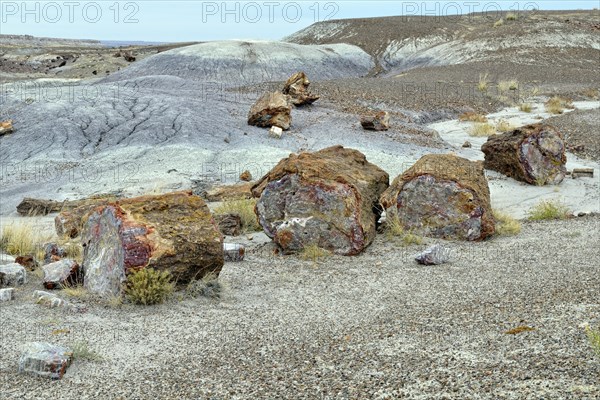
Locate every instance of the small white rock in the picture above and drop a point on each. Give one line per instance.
(13, 274)
(7, 294)
(276, 132)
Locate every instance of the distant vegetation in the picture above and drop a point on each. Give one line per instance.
(472, 117)
(482, 130)
(525, 107)
(557, 105)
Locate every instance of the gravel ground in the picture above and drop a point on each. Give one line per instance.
(375, 326)
(580, 129)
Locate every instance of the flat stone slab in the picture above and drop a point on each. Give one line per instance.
(45, 359)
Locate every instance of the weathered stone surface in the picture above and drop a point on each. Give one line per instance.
(275, 132)
(7, 294)
(297, 88)
(45, 359)
(229, 224)
(434, 255)
(229, 192)
(32, 207)
(12, 275)
(53, 252)
(534, 154)
(6, 259)
(328, 198)
(172, 232)
(6, 127)
(271, 109)
(442, 196)
(28, 262)
(246, 176)
(61, 273)
(234, 252)
(377, 122)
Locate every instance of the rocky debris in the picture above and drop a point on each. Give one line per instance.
(7, 294)
(45, 359)
(297, 88)
(534, 154)
(53, 252)
(467, 145)
(275, 132)
(233, 252)
(246, 176)
(434, 255)
(442, 196)
(328, 198)
(32, 207)
(229, 224)
(229, 192)
(6, 127)
(377, 122)
(271, 109)
(61, 273)
(172, 232)
(49, 300)
(12, 275)
(28, 262)
(582, 173)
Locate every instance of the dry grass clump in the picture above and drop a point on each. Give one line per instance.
(21, 239)
(209, 286)
(499, 23)
(504, 126)
(557, 105)
(591, 93)
(148, 286)
(504, 86)
(394, 229)
(506, 225)
(312, 252)
(525, 107)
(548, 210)
(82, 351)
(482, 86)
(472, 117)
(511, 17)
(482, 130)
(76, 291)
(245, 209)
(594, 338)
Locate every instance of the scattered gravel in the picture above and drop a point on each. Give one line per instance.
(373, 326)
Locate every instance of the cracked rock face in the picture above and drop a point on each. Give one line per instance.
(534, 154)
(271, 109)
(174, 232)
(442, 196)
(327, 198)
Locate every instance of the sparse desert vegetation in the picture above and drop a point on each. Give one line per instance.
(557, 105)
(594, 338)
(549, 210)
(482, 86)
(148, 286)
(245, 209)
(22, 239)
(511, 16)
(83, 352)
(504, 126)
(506, 225)
(499, 23)
(314, 253)
(525, 107)
(472, 116)
(395, 230)
(482, 130)
(209, 286)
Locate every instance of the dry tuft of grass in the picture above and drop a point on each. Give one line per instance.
(312, 252)
(504, 126)
(519, 329)
(548, 210)
(499, 23)
(506, 225)
(82, 351)
(22, 239)
(525, 107)
(76, 292)
(394, 229)
(557, 105)
(482, 86)
(594, 338)
(148, 286)
(209, 286)
(245, 209)
(512, 17)
(482, 130)
(505, 86)
(591, 93)
(472, 117)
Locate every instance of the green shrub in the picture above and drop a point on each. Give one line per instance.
(594, 338)
(245, 209)
(548, 210)
(148, 286)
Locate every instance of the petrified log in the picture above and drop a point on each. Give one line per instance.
(172, 232)
(534, 154)
(61, 273)
(6, 127)
(442, 196)
(271, 109)
(377, 122)
(45, 359)
(328, 198)
(229, 192)
(297, 88)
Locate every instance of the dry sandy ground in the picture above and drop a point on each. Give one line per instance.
(375, 326)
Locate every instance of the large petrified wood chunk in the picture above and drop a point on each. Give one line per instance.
(271, 109)
(297, 87)
(442, 196)
(31, 207)
(174, 232)
(534, 154)
(328, 198)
